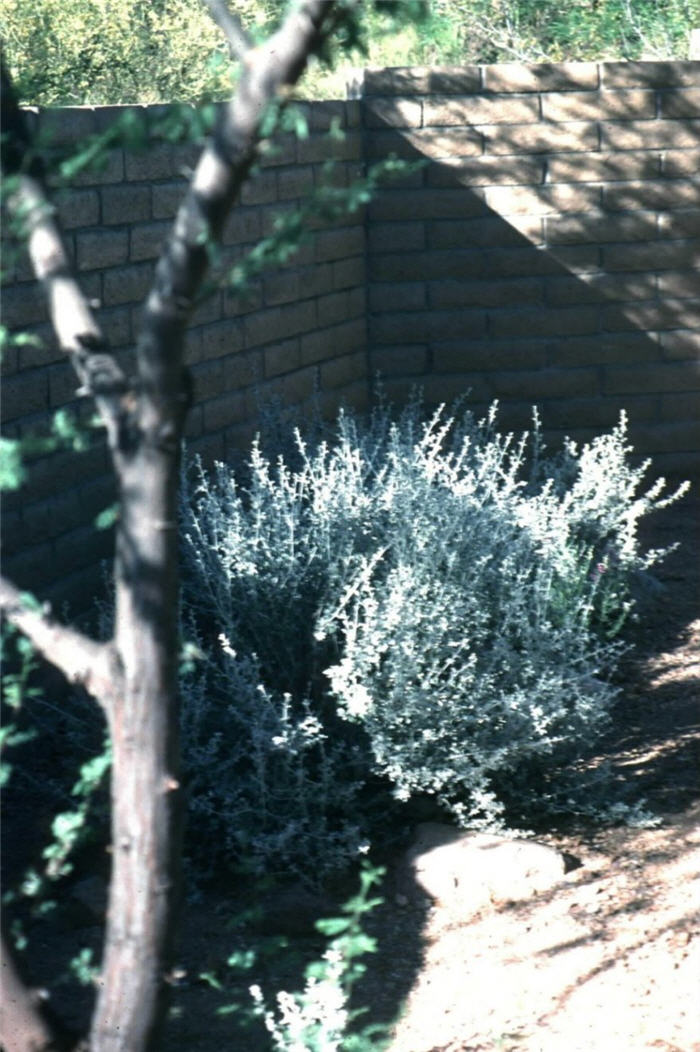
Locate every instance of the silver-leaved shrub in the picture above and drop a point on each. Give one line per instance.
(431, 602)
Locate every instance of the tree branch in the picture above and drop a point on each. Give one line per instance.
(239, 42)
(81, 660)
(22, 1027)
(224, 165)
(135, 678)
(77, 332)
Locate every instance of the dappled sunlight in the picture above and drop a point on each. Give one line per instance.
(636, 758)
(679, 664)
(609, 958)
(604, 960)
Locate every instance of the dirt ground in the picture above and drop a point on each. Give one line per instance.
(608, 959)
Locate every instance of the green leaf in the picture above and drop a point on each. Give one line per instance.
(242, 960)
(31, 602)
(107, 517)
(26, 339)
(12, 470)
(361, 944)
(294, 120)
(230, 1009)
(32, 883)
(82, 968)
(92, 772)
(211, 980)
(69, 430)
(270, 119)
(67, 825)
(333, 925)
(335, 132)
(217, 62)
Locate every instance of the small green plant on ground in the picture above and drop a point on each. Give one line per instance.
(433, 605)
(319, 1018)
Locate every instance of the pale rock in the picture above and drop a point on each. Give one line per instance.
(465, 872)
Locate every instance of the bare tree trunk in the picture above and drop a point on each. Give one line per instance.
(22, 1026)
(144, 726)
(134, 678)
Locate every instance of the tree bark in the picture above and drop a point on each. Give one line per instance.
(146, 795)
(135, 677)
(22, 1026)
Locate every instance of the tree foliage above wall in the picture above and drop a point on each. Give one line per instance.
(69, 52)
(484, 31)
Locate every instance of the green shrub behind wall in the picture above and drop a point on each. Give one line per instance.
(76, 52)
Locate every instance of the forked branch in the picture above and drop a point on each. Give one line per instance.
(135, 677)
(81, 660)
(239, 42)
(77, 332)
(224, 165)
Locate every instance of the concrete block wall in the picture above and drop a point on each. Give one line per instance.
(548, 252)
(297, 335)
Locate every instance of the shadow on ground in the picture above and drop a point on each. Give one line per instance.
(284, 941)
(655, 740)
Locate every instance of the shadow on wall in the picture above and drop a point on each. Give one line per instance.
(537, 262)
(547, 253)
(294, 330)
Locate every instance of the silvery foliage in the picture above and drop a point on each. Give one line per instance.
(480, 644)
(269, 780)
(449, 591)
(266, 785)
